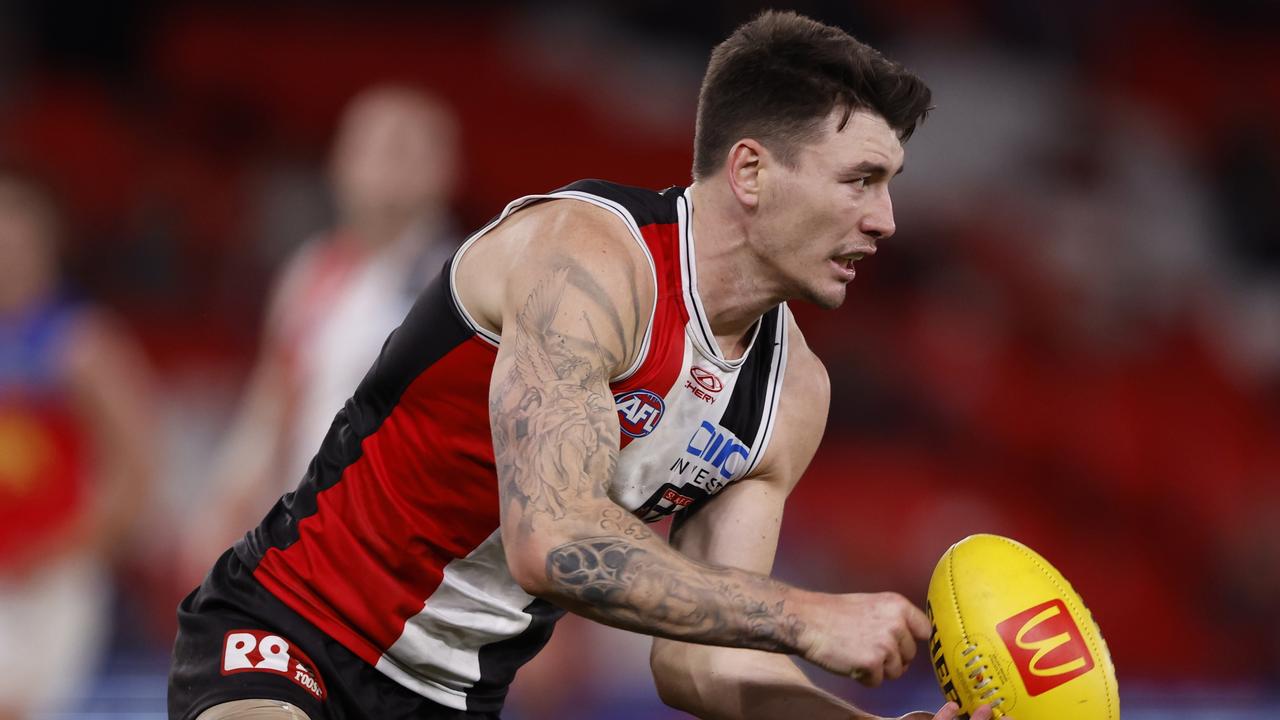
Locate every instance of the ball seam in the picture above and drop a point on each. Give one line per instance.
(964, 634)
(955, 601)
(1066, 593)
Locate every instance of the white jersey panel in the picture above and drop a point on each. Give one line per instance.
(688, 448)
(477, 603)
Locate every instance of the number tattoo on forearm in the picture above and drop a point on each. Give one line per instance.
(628, 585)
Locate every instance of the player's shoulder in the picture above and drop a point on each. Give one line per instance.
(301, 271)
(802, 414)
(806, 382)
(587, 243)
(645, 206)
(590, 219)
(562, 232)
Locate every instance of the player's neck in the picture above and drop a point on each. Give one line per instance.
(735, 287)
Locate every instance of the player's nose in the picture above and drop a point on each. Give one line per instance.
(878, 220)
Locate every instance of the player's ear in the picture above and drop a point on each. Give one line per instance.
(745, 176)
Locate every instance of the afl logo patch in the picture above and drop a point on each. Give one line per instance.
(639, 412)
(706, 379)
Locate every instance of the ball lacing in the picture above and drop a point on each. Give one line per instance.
(985, 683)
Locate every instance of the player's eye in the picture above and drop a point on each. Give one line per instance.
(858, 183)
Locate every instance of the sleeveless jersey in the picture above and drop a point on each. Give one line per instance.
(391, 543)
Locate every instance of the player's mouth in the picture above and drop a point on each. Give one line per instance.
(844, 264)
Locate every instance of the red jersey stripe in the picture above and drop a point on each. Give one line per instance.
(443, 504)
(661, 368)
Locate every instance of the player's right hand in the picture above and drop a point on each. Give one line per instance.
(870, 637)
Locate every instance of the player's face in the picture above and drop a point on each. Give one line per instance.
(395, 156)
(832, 208)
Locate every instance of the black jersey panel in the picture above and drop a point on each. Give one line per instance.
(746, 405)
(499, 661)
(646, 206)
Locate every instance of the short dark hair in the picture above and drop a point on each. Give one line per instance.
(776, 78)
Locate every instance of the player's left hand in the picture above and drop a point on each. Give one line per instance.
(950, 711)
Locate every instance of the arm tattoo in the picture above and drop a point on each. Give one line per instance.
(628, 585)
(555, 436)
(617, 520)
(554, 423)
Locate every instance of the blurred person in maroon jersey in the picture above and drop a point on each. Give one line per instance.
(76, 460)
(393, 172)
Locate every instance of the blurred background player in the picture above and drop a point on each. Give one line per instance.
(392, 171)
(75, 460)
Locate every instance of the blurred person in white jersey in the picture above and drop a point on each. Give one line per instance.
(392, 171)
(594, 359)
(76, 460)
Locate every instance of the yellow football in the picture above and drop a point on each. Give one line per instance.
(1009, 631)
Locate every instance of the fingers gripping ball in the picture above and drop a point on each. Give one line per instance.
(1009, 631)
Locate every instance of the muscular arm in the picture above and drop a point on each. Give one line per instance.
(739, 528)
(731, 683)
(570, 321)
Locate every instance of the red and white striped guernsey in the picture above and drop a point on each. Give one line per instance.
(390, 544)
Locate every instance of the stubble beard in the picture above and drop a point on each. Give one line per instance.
(827, 299)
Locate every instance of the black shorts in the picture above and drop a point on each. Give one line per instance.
(236, 641)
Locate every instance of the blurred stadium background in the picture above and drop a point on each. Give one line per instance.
(1073, 340)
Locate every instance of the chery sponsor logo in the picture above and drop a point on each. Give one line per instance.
(707, 384)
(704, 384)
(639, 412)
(261, 651)
(1046, 645)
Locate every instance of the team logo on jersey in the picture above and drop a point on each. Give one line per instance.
(639, 412)
(1046, 646)
(261, 651)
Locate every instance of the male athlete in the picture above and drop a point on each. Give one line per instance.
(592, 359)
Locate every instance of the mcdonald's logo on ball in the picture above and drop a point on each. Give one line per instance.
(1046, 646)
